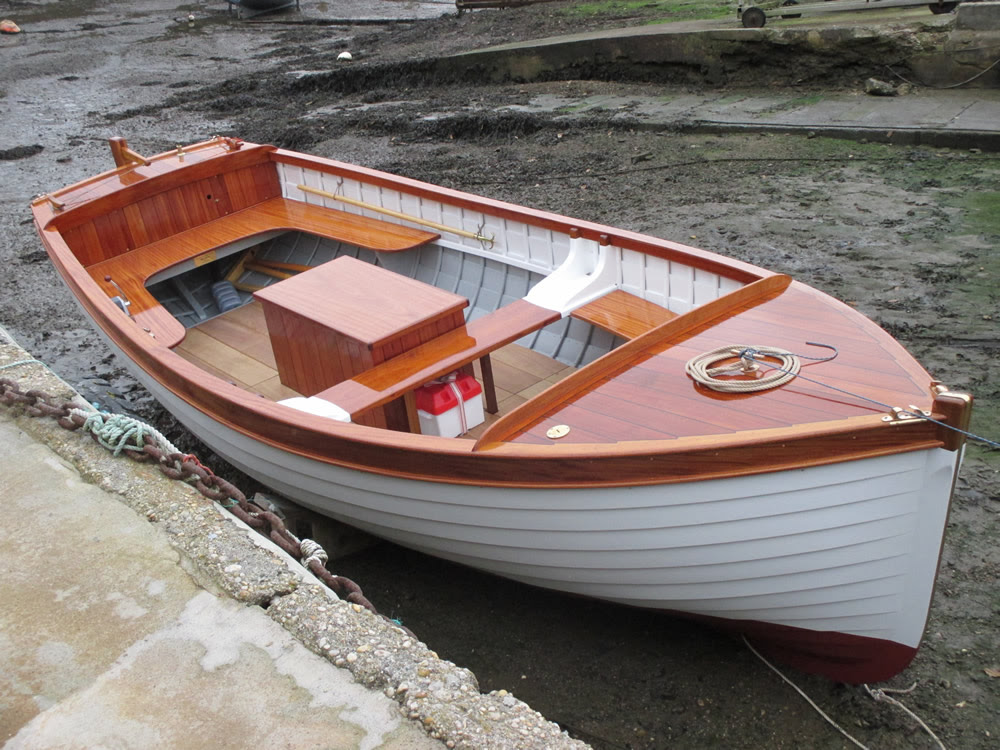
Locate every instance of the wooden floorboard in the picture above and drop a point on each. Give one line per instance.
(235, 347)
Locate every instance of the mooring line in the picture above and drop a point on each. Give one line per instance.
(920, 415)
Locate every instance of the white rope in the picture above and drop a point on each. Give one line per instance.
(801, 692)
(310, 551)
(880, 694)
(877, 694)
(701, 371)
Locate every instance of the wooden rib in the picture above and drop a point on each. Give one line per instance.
(268, 270)
(628, 354)
(624, 314)
(294, 267)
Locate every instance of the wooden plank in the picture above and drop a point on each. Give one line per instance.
(588, 426)
(225, 358)
(515, 378)
(273, 389)
(233, 331)
(623, 314)
(353, 229)
(523, 358)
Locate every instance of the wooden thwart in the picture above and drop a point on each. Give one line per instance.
(400, 375)
(623, 314)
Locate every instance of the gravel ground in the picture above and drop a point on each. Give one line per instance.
(908, 235)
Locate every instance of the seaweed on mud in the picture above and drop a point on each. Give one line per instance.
(20, 152)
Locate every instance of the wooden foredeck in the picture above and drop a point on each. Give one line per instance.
(650, 397)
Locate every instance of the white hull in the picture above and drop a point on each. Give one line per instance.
(849, 548)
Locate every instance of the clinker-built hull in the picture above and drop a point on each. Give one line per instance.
(807, 516)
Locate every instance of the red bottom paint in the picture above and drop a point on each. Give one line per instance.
(839, 656)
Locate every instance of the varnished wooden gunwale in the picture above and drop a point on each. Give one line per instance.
(691, 256)
(504, 464)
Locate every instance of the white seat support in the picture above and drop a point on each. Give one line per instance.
(591, 270)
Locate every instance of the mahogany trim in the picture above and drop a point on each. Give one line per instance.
(508, 465)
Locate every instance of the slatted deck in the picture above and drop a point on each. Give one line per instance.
(236, 348)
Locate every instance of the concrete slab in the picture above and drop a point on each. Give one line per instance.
(105, 641)
(138, 613)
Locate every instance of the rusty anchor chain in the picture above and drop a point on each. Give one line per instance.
(186, 467)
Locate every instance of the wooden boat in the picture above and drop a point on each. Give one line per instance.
(807, 516)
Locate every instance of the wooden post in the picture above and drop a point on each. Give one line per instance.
(123, 155)
(955, 410)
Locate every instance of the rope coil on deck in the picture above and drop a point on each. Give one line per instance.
(701, 371)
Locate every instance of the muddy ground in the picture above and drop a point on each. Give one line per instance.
(907, 235)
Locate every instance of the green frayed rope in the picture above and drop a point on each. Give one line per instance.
(22, 362)
(118, 433)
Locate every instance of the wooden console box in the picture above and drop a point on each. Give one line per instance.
(342, 318)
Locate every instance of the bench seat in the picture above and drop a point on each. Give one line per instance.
(451, 351)
(623, 314)
(132, 270)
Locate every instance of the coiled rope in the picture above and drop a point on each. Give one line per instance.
(750, 358)
(701, 370)
(118, 432)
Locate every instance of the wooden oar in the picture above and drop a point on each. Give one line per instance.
(261, 268)
(294, 267)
